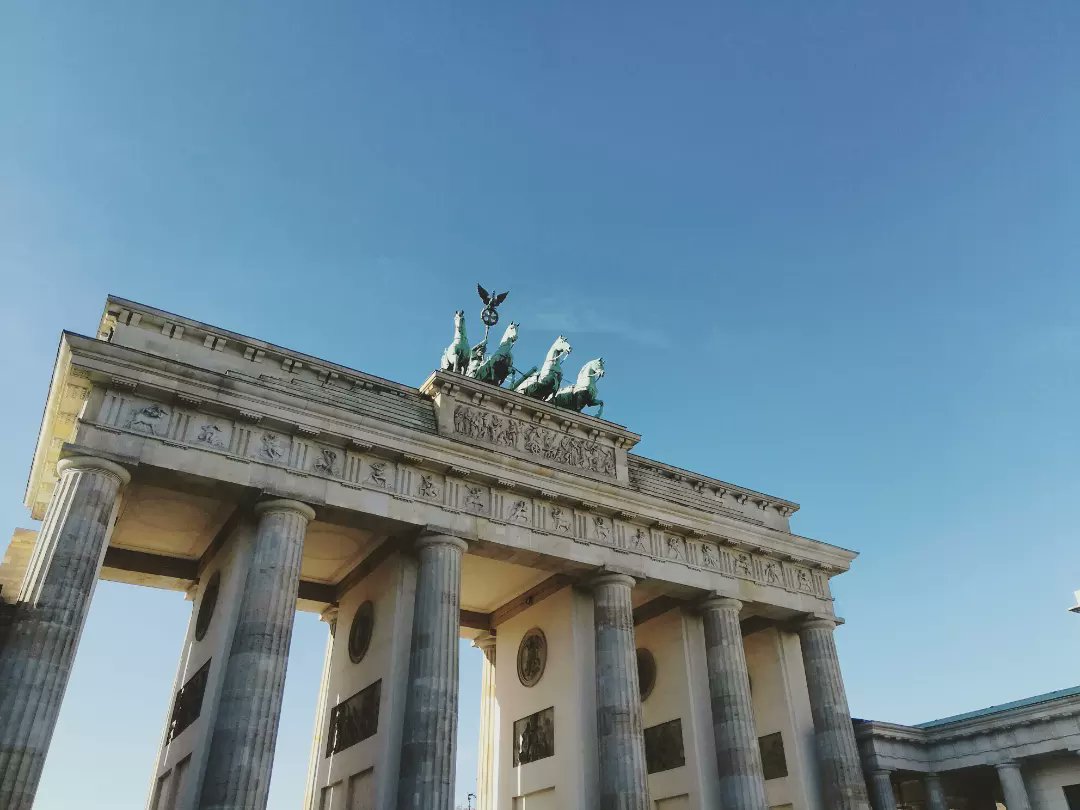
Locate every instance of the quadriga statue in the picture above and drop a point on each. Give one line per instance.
(543, 382)
(582, 394)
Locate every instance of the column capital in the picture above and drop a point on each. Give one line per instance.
(284, 505)
(882, 772)
(816, 622)
(1007, 764)
(93, 464)
(602, 578)
(484, 641)
(718, 602)
(329, 615)
(435, 538)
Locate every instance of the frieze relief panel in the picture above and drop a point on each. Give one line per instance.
(530, 439)
(245, 438)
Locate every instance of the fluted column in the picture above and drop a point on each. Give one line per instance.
(738, 757)
(36, 660)
(487, 761)
(1012, 785)
(935, 792)
(834, 738)
(884, 797)
(241, 751)
(318, 738)
(427, 747)
(621, 741)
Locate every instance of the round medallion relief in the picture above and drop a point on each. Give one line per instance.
(532, 657)
(360, 631)
(646, 672)
(207, 605)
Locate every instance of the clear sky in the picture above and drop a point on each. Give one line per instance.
(830, 251)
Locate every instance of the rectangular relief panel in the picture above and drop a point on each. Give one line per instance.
(354, 719)
(773, 761)
(664, 747)
(534, 737)
(188, 703)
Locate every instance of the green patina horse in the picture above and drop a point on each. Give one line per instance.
(456, 356)
(496, 367)
(583, 393)
(541, 383)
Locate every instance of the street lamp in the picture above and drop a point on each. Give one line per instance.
(469, 799)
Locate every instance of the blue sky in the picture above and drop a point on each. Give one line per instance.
(828, 251)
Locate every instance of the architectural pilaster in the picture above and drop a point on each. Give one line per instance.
(884, 797)
(621, 741)
(841, 774)
(330, 616)
(427, 749)
(38, 653)
(488, 755)
(241, 751)
(1012, 785)
(738, 757)
(935, 792)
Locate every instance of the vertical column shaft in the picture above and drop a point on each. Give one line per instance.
(834, 738)
(39, 650)
(738, 757)
(1012, 786)
(884, 797)
(318, 737)
(427, 748)
(621, 742)
(488, 756)
(935, 793)
(241, 752)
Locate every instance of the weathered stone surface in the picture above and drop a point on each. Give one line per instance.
(1012, 785)
(245, 730)
(884, 797)
(935, 793)
(834, 739)
(488, 753)
(39, 650)
(620, 736)
(738, 757)
(427, 750)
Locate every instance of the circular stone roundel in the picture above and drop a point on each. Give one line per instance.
(646, 672)
(207, 605)
(360, 631)
(532, 657)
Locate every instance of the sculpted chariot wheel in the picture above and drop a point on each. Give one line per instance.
(489, 316)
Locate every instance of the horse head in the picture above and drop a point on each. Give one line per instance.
(510, 335)
(593, 370)
(459, 319)
(559, 349)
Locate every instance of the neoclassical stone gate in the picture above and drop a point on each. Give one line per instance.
(652, 638)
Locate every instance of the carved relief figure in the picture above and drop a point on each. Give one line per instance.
(456, 356)
(708, 556)
(675, 548)
(603, 531)
(744, 565)
(210, 434)
(150, 418)
(427, 487)
(271, 447)
(803, 580)
(559, 521)
(518, 512)
(377, 476)
(772, 572)
(474, 498)
(326, 462)
(638, 541)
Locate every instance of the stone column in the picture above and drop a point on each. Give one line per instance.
(1012, 785)
(487, 760)
(834, 738)
(241, 751)
(621, 742)
(738, 756)
(935, 792)
(48, 620)
(426, 780)
(884, 797)
(318, 739)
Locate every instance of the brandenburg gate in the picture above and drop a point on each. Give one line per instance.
(651, 637)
